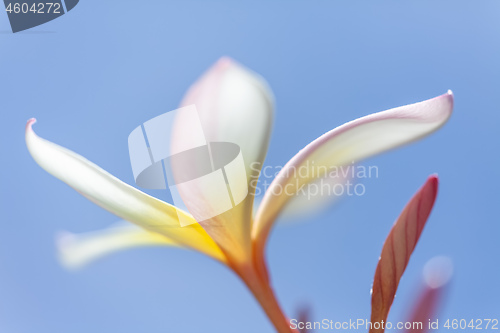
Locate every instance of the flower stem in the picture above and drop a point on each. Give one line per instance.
(264, 294)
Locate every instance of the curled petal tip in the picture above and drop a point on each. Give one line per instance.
(438, 109)
(30, 123)
(450, 96)
(446, 102)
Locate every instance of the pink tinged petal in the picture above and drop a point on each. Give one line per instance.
(437, 273)
(117, 197)
(351, 142)
(234, 105)
(398, 248)
(77, 250)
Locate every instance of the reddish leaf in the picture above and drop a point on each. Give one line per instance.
(398, 248)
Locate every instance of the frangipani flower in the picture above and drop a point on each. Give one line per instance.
(235, 105)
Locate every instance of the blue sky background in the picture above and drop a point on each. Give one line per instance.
(93, 75)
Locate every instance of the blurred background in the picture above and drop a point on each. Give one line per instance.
(91, 76)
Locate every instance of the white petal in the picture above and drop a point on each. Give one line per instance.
(115, 196)
(235, 105)
(351, 142)
(315, 197)
(76, 251)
